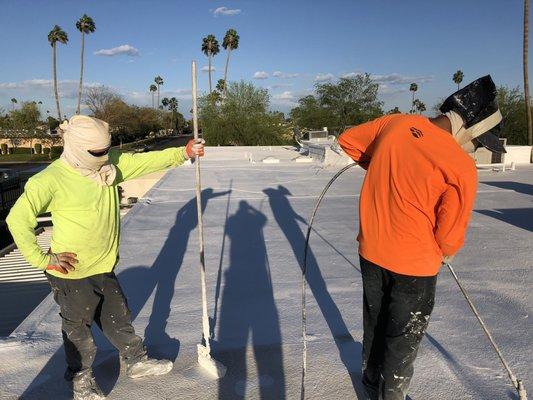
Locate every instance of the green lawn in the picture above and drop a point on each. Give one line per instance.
(9, 158)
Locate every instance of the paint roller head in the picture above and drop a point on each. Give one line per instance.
(212, 366)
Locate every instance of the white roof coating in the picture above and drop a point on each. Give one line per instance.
(255, 221)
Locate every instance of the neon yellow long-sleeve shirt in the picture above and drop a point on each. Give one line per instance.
(85, 215)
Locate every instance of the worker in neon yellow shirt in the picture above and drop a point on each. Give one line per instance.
(80, 190)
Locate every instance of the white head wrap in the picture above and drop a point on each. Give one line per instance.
(464, 136)
(81, 134)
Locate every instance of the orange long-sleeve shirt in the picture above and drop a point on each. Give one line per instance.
(417, 195)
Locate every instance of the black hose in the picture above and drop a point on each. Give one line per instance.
(304, 277)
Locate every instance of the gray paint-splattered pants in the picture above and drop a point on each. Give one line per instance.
(96, 298)
(396, 311)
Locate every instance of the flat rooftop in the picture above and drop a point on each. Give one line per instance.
(255, 223)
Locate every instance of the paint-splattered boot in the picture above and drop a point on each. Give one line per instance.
(85, 387)
(149, 367)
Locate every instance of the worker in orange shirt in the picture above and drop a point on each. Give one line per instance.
(415, 205)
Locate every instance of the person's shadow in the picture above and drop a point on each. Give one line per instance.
(248, 311)
(287, 219)
(138, 283)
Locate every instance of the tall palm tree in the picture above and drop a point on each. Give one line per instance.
(221, 85)
(173, 107)
(153, 89)
(458, 78)
(526, 79)
(164, 101)
(413, 88)
(173, 104)
(230, 42)
(85, 25)
(14, 101)
(210, 48)
(419, 106)
(158, 81)
(56, 35)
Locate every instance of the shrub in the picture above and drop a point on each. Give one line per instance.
(56, 151)
(21, 150)
(38, 148)
(4, 148)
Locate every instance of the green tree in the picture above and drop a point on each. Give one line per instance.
(13, 102)
(210, 48)
(54, 36)
(351, 100)
(510, 101)
(153, 89)
(413, 88)
(230, 43)
(164, 101)
(242, 119)
(419, 106)
(458, 78)
(394, 110)
(85, 25)
(27, 117)
(158, 81)
(221, 85)
(310, 114)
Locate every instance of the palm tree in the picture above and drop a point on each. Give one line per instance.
(173, 107)
(210, 48)
(413, 88)
(158, 81)
(419, 106)
(153, 89)
(56, 35)
(85, 25)
(221, 85)
(14, 101)
(164, 101)
(526, 79)
(230, 42)
(173, 104)
(458, 78)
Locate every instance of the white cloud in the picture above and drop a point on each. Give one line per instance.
(389, 90)
(125, 49)
(285, 75)
(351, 74)
(285, 99)
(287, 95)
(280, 85)
(260, 75)
(398, 79)
(205, 68)
(42, 88)
(324, 77)
(226, 11)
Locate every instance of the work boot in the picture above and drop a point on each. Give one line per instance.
(85, 387)
(149, 367)
(371, 388)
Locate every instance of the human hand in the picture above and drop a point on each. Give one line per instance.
(195, 148)
(62, 262)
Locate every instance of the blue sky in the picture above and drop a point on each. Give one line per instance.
(289, 44)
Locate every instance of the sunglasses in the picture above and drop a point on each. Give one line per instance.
(100, 153)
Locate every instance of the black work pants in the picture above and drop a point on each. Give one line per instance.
(96, 298)
(396, 311)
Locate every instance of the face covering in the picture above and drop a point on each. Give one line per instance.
(82, 134)
(464, 136)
